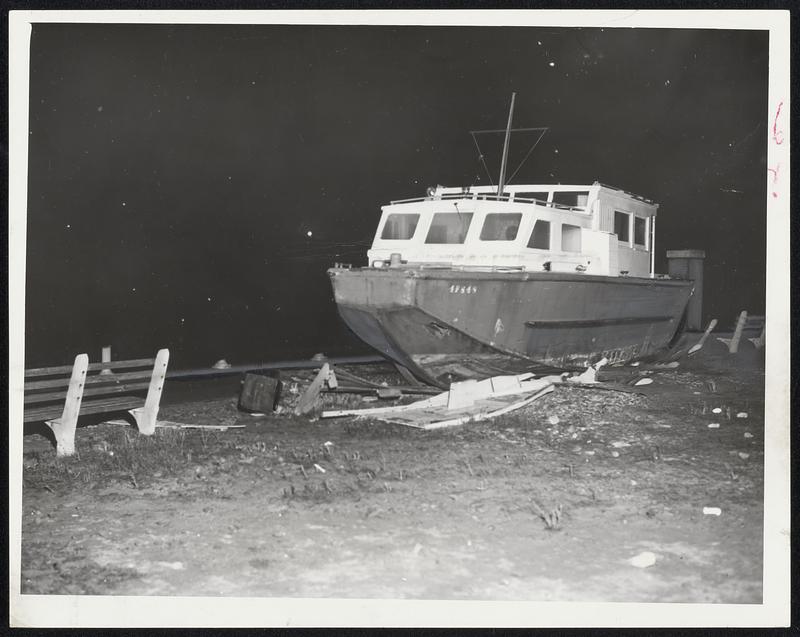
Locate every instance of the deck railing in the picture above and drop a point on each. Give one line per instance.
(487, 196)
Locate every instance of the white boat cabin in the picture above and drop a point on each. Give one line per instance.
(594, 229)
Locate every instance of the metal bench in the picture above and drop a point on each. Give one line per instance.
(58, 395)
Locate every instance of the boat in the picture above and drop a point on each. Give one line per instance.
(473, 282)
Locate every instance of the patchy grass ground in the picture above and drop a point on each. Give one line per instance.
(546, 503)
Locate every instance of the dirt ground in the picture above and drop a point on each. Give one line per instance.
(352, 508)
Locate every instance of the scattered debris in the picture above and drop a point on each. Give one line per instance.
(669, 365)
(260, 393)
(712, 511)
(319, 468)
(553, 420)
(747, 434)
(589, 377)
(716, 410)
(467, 401)
(742, 414)
(744, 455)
(643, 381)
(644, 559)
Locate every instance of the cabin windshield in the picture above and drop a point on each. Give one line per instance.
(449, 227)
(400, 226)
(501, 226)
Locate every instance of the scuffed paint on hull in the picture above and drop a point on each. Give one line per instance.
(447, 324)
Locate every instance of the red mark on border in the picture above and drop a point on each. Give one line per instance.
(777, 135)
(774, 172)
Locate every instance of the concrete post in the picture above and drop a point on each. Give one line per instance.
(105, 357)
(688, 264)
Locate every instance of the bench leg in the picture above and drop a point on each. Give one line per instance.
(146, 416)
(64, 432)
(145, 420)
(64, 428)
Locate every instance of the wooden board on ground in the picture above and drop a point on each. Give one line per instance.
(179, 425)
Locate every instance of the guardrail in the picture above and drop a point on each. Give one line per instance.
(490, 197)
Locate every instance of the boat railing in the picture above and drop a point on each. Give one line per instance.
(487, 196)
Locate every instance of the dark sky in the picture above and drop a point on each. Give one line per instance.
(175, 171)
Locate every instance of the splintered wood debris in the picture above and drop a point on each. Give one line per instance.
(467, 401)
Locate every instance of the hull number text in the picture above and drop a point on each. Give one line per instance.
(463, 289)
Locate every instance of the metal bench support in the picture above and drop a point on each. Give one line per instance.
(146, 416)
(64, 427)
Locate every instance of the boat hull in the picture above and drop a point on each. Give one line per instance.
(450, 324)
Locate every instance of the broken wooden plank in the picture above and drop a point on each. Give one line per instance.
(733, 348)
(355, 379)
(483, 409)
(699, 345)
(310, 400)
(487, 398)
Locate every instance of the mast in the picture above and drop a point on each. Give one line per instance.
(502, 180)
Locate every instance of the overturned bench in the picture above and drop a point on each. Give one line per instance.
(57, 396)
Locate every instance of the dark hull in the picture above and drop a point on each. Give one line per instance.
(447, 325)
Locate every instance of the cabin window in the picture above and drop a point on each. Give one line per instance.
(573, 199)
(570, 238)
(540, 237)
(449, 227)
(501, 226)
(539, 196)
(400, 226)
(639, 225)
(622, 225)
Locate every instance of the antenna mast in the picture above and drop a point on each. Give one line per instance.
(502, 180)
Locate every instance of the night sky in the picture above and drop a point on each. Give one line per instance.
(189, 185)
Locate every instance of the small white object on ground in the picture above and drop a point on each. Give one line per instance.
(615, 454)
(327, 444)
(713, 425)
(221, 364)
(712, 511)
(318, 468)
(747, 434)
(553, 420)
(743, 455)
(643, 381)
(620, 444)
(717, 410)
(742, 414)
(635, 364)
(369, 399)
(256, 415)
(643, 560)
